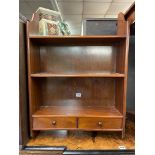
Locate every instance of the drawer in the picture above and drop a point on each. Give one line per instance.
(47, 123)
(100, 123)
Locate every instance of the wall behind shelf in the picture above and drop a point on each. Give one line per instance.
(131, 72)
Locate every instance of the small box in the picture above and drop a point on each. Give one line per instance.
(47, 27)
(48, 14)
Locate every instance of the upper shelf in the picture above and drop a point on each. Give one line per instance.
(76, 39)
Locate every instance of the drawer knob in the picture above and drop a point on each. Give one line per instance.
(100, 124)
(53, 122)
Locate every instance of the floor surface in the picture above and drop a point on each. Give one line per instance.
(82, 140)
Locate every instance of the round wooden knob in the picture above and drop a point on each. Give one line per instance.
(53, 122)
(100, 124)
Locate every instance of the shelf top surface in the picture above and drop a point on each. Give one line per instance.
(77, 37)
(78, 111)
(87, 74)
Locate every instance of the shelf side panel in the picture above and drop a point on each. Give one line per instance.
(33, 28)
(33, 62)
(121, 25)
(122, 66)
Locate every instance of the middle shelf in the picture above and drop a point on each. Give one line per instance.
(77, 74)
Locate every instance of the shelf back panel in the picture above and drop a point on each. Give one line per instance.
(75, 59)
(77, 91)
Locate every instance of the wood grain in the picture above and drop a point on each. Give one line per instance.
(62, 91)
(89, 74)
(75, 59)
(49, 123)
(77, 111)
(121, 25)
(100, 123)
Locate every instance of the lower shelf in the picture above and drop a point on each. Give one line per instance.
(77, 118)
(78, 111)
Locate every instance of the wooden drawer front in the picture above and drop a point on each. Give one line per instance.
(100, 123)
(42, 123)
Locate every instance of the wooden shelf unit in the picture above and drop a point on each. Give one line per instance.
(77, 82)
